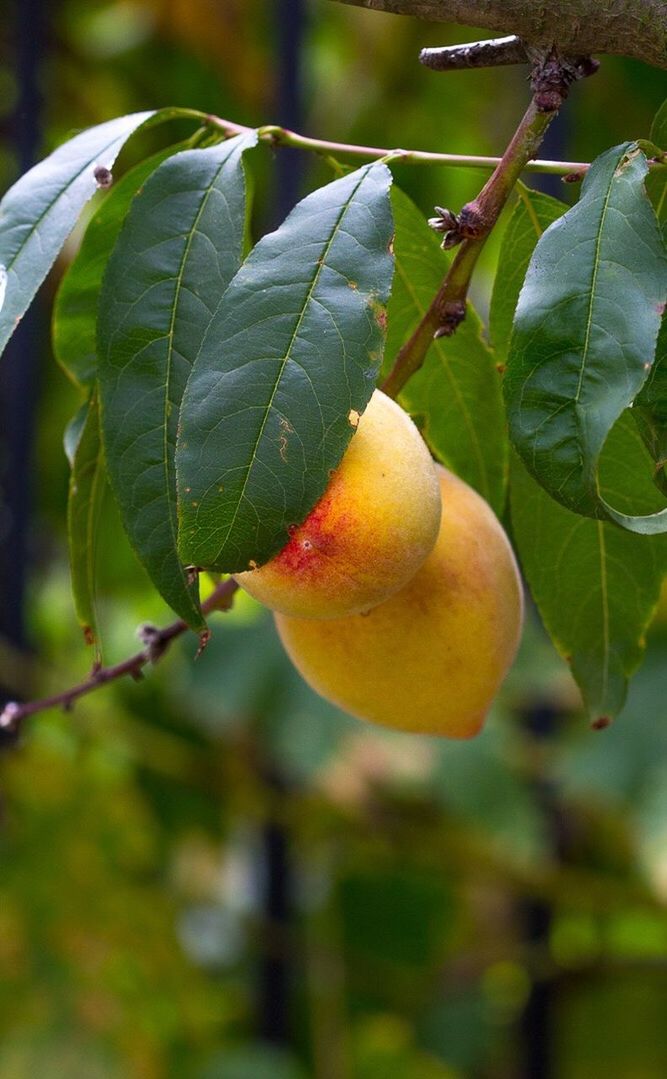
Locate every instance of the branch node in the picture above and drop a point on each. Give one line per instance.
(470, 224)
(552, 76)
(153, 639)
(573, 177)
(451, 317)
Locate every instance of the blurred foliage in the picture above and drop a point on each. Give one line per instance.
(134, 934)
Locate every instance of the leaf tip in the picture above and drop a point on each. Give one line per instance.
(204, 638)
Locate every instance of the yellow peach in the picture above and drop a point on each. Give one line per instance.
(431, 658)
(369, 533)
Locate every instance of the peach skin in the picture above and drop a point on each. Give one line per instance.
(431, 658)
(369, 533)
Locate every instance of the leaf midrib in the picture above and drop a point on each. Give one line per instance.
(286, 357)
(173, 521)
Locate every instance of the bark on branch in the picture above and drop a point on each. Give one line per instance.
(636, 28)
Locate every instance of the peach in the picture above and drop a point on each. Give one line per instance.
(369, 533)
(431, 658)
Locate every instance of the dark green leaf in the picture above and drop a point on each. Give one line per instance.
(176, 253)
(38, 213)
(585, 332)
(75, 310)
(295, 345)
(656, 183)
(86, 491)
(456, 395)
(531, 216)
(658, 133)
(595, 585)
(650, 411)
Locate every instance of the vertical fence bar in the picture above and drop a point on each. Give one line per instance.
(19, 368)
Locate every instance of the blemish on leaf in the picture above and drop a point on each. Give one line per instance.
(192, 573)
(252, 564)
(626, 161)
(285, 430)
(379, 313)
(88, 634)
(600, 723)
(353, 417)
(193, 503)
(390, 247)
(352, 285)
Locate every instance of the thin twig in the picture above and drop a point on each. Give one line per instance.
(156, 642)
(282, 136)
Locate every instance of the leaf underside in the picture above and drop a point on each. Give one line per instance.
(596, 585)
(38, 213)
(86, 491)
(74, 329)
(531, 216)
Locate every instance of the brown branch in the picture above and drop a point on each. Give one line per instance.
(551, 78)
(470, 229)
(156, 642)
(636, 28)
(492, 53)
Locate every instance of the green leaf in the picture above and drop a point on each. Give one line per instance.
(585, 332)
(295, 345)
(596, 586)
(656, 182)
(86, 491)
(531, 216)
(75, 310)
(38, 213)
(658, 133)
(176, 253)
(650, 411)
(456, 395)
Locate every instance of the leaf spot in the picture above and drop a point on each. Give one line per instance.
(353, 417)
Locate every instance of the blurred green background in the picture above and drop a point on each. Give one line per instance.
(214, 875)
